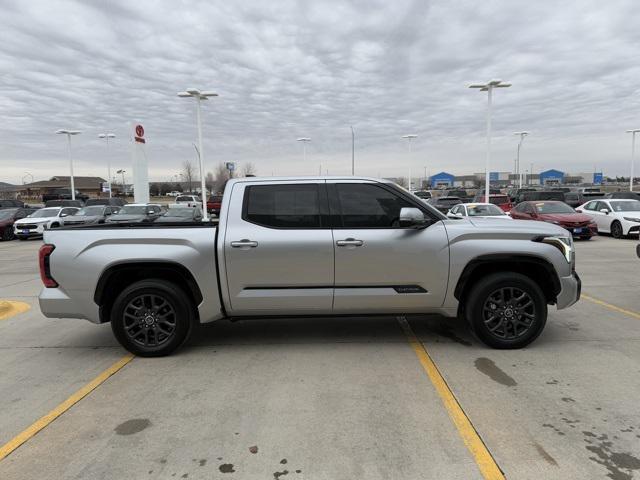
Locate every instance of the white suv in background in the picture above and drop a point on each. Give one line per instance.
(189, 201)
(35, 224)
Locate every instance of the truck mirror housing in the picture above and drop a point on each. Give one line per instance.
(412, 218)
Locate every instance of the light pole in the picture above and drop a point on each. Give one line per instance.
(409, 138)
(122, 172)
(199, 96)
(633, 154)
(522, 135)
(69, 133)
(353, 152)
(488, 87)
(27, 174)
(107, 136)
(304, 141)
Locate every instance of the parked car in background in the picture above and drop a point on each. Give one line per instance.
(575, 199)
(92, 214)
(43, 219)
(11, 204)
(116, 202)
(180, 214)
(623, 195)
(63, 194)
(501, 200)
(461, 193)
(136, 213)
(213, 204)
(189, 200)
(422, 194)
(8, 217)
(514, 193)
(615, 216)
(444, 204)
(558, 213)
(540, 195)
(560, 189)
(64, 203)
(174, 194)
(477, 210)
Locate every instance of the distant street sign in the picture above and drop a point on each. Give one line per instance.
(139, 134)
(105, 187)
(231, 166)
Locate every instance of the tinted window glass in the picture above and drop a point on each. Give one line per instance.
(369, 206)
(283, 206)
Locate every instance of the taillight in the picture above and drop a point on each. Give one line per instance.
(45, 268)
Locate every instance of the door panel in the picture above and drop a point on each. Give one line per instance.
(380, 267)
(278, 270)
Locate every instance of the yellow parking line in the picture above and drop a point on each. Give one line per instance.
(43, 422)
(9, 308)
(612, 307)
(486, 463)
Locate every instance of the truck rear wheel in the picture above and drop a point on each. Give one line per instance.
(506, 310)
(152, 318)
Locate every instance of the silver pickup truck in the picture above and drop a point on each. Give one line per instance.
(309, 246)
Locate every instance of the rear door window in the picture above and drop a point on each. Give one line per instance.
(283, 206)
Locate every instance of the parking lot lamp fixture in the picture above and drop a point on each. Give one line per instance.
(488, 87)
(522, 135)
(199, 96)
(304, 141)
(410, 137)
(107, 136)
(69, 133)
(122, 172)
(633, 154)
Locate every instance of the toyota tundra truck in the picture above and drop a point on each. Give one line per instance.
(315, 246)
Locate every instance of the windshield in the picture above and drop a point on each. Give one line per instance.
(91, 211)
(499, 199)
(45, 213)
(449, 201)
(554, 207)
(187, 199)
(5, 214)
(133, 210)
(626, 206)
(180, 212)
(484, 211)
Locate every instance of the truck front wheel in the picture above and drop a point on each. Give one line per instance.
(152, 318)
(506, 310)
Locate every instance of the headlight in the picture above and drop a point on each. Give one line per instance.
(562, 243)
(632, 219)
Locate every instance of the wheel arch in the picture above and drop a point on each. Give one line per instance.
(119, 276)
(536, 268)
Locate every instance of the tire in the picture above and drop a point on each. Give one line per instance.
(152, 318)
(502, 332)
(8, 234)
(54, 225)
(616, 229)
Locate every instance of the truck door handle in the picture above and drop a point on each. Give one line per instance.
(244, 243)
(349, 242)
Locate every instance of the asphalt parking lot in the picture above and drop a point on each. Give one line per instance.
(327, 399)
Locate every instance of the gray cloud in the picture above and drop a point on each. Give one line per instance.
(288, 69)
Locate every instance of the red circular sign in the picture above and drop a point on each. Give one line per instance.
(139, 131)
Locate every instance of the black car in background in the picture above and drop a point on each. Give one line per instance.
(63, 194)
(540, 195)
(444, 204)
(114, 202)
(624, 195)
(423, 194)
(11, 204)
(7, 218)
(514, 193)
(64, 203)
(180, 215)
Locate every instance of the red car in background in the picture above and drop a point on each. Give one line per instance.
(7, 218)
(502, 201)
(559, 213)
(213, 204)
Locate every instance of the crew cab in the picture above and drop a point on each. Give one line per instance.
(313, 246)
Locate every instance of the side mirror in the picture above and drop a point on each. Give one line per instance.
(412, 218)
(64, 215)
(605, 211)
(150, 212)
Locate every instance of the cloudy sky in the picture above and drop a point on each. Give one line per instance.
(287, 69)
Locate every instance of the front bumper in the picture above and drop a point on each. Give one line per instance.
(570, 288)
(32, 232)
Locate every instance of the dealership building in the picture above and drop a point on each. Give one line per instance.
(503, 179)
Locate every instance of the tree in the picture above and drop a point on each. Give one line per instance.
(165, 188)
(248, 170)
(210, 181)
(221, 177)
(188, 172)
(402, 182)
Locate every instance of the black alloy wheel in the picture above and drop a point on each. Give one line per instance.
(616, 229)
(152, 318)
(8, 233)
(506, 310)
